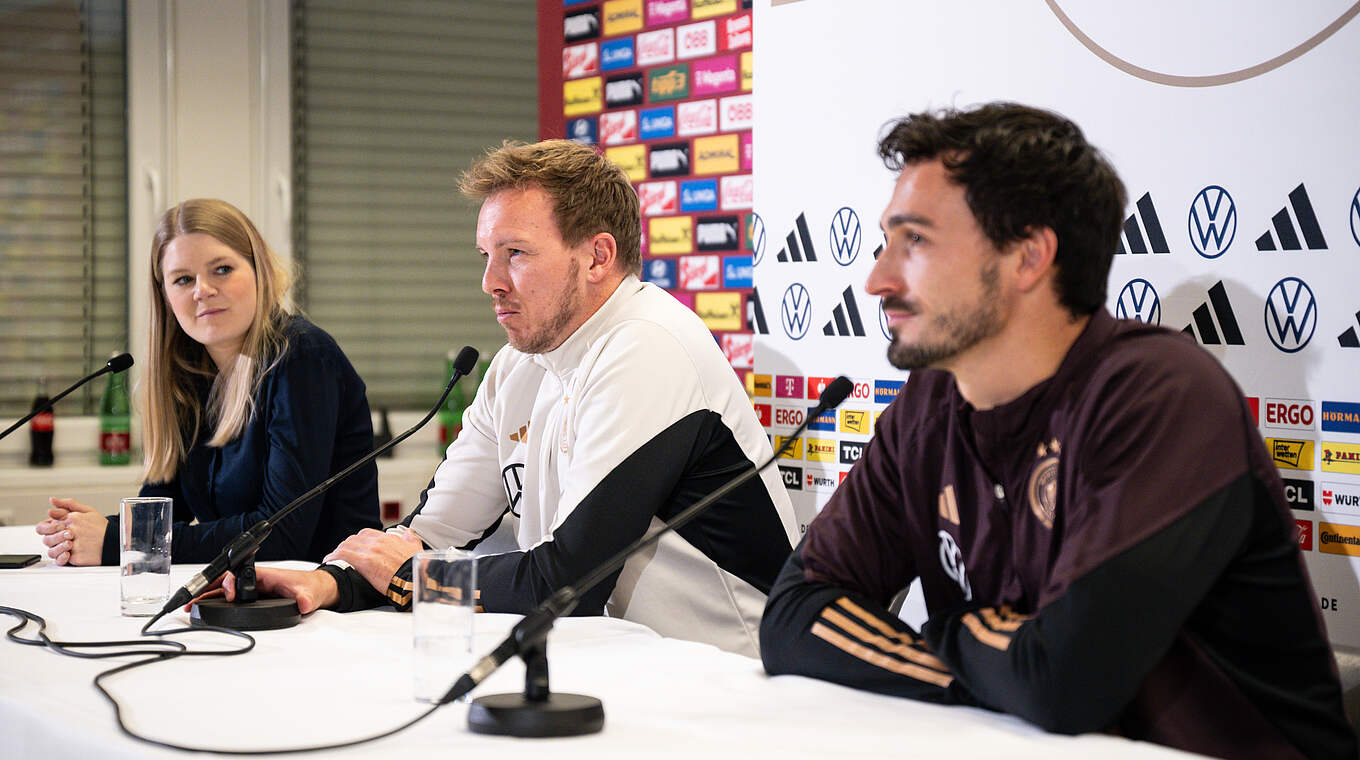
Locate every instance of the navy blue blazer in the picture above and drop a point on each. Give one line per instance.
(311, 421)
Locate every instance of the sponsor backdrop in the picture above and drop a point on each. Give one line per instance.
(663, 87)
(1233, 126)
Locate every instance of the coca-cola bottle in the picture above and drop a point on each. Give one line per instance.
(40, 429)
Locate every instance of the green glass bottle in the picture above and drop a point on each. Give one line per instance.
(115, 422)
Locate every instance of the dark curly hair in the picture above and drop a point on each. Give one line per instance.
(1022, 168)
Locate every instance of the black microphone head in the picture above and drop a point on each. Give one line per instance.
(119, 362)
(467, 359)
(835, 392)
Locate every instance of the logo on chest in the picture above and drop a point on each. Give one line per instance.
(1043, 483)
(513, 479)
(951, 561)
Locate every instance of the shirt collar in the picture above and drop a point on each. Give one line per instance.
(567, 356)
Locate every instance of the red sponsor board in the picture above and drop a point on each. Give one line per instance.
(694, 40)
(736, 113)
(738, 192)
(765, 414)
(697, 117)
(1291, 413)
(580, 60)
(658, 198)
(739, 348)
(843, 474)
(736, 32)
(656, 47)
(700, 272)
(617, 127)
(815, 386)
(1255, 404)
(1305, 531)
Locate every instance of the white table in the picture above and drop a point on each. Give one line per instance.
(343, 676)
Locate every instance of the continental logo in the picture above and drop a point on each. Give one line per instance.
(711, 8)
(1338, 539)
(670, 234)
(795, 449)
(762, 385)
(716, 155)
(719, 311)
(632, 159)
(669, 82)
(582, 96)
(821, 450)
(622, 16)
(855, 421)
(1290, 454)
(1341, 457)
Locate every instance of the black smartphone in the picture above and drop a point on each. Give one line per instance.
(12, 561)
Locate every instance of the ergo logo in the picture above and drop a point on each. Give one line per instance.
(1289, 413)
(786, 416)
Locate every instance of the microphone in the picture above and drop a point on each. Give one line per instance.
(116, 364)
(534, 713)
(241, 550)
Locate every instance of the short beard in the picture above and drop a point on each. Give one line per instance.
(959, 329)
(549, 336)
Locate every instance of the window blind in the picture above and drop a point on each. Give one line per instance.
(63, 186)
(392, 102)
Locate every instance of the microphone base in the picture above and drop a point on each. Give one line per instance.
(558, 715)
(259, 615)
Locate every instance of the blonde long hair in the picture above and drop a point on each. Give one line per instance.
(173, 414)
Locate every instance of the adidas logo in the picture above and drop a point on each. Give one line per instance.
(793, 252)
(1349, 339)
(845, 310)
(1286, 230)
(522, 436)
(755, 314)
(1217, 306)
(1133, 232)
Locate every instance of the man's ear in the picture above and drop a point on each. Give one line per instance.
(1037, 251)
(604, 252)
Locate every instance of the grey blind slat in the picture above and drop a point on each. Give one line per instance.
(391, 102)
(63, 206)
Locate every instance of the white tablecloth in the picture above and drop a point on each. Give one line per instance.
(344, 676)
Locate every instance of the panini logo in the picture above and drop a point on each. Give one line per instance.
(1340, 417)
(821, 450)
(717, 233)
(795, 450)
(1133, 233)
(885, 391)
(1213, 222)
(670, 234)
(1340, 457)
(763, 385)
(1289, 454)
(1287, 232)
(851, 451)
(670, 159)
(1298, 493)
(625, 90)
(631, 158)
(1290, 314)
(581, 26)
(1217, 306)
(845, 319)
(581, 96)
(715, 155)
(792, 252)
(669, 83)
(1138, 300)
(855, 421)
(1339, 539)
(793, 477)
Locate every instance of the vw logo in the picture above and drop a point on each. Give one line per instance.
(845, 236)
(795, 311)
(755, 237)
(883, 321)
(1212, 222)
(1138, 300)
(1291, 314)
(1355, 217)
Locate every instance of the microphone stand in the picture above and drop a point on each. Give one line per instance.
(538, 712)
(250, 612)
(116, 364)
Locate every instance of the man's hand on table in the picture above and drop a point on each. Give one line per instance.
(311, 589)
(377, 555)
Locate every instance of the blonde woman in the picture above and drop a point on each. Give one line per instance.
(246, 406)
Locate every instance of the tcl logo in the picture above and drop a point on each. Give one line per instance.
(863, 391)
(851, 451)
(786, 416)
(1289, 413)
(1305, 531)
(1299, 493)
(793, 477)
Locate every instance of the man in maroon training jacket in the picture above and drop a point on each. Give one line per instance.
(1103, 543)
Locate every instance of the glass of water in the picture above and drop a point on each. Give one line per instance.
(144, 554)
(444, 599)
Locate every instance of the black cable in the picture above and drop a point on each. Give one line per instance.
(171, 649)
